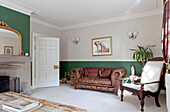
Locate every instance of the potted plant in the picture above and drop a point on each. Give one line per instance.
(143, 53)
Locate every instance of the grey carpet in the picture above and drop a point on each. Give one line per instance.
(96, 101)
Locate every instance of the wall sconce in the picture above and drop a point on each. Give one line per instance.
(75, 40)
(132, 35)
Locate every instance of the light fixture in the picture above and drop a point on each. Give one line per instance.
(75, 40)
(132, 35)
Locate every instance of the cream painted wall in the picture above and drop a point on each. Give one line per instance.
(45, 30)
(148, 28)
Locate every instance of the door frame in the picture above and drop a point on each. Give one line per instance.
(33, 45)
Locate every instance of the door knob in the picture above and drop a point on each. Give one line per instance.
(56, 66)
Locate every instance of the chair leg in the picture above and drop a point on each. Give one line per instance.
(142, 102)
(157, 101)
(139, 97)
(121, 94)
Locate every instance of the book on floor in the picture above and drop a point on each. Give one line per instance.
(20, 105)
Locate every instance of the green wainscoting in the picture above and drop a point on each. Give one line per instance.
(19, 22)
(66, 66)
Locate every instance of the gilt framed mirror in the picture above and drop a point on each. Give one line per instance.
(11, 38)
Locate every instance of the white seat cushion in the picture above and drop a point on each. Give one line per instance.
(151, 73)
(149, 87)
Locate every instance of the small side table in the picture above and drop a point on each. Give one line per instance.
(72, 80)
(133, 78)
(66, 75)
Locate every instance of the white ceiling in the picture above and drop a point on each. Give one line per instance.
(71, 12)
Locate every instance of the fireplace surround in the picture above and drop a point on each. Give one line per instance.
(17, 66)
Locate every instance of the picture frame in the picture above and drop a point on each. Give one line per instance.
(8, 50)
(102, 46)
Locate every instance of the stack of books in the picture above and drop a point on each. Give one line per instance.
(20, 105)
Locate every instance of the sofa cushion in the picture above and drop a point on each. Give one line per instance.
(101, 71)
(106, 73)
(89, 80)
(91, 72)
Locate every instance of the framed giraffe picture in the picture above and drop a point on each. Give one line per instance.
(102, 46)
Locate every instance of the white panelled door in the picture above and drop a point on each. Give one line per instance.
(47, 62)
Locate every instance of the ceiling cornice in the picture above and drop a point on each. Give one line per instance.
(11, 4)
(114, 19)
(17, 7)
(41, 21)
(155, 11)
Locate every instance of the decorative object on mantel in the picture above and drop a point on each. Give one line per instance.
(102, 46)
(132, 35)
(75, 40)
(8, 50)
(143, 53)
(26, 54)
(10, 37)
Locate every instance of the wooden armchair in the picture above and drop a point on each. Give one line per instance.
(150, 83)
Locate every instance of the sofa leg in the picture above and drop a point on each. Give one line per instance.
(75, 87)
(116, 92)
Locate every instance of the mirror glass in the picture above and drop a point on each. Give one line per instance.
(9, 42)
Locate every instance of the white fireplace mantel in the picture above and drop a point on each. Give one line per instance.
(15, 59)
(16, 63)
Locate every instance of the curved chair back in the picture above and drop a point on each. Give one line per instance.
(152, 73)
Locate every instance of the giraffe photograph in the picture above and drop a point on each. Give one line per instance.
(102, 46)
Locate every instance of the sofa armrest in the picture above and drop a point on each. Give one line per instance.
(77, 72)
(117, 73)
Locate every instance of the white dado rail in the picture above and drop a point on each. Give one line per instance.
(17, 66)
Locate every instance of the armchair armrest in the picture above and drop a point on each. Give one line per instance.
(147, 83)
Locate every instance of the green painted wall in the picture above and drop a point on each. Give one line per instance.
(66, 66)
(19, 22)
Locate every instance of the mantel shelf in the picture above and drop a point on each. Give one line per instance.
(14, 59)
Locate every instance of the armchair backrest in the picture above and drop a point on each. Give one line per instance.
(152, 72)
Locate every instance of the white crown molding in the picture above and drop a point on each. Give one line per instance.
(114, 19)
(11, 4)
(17, 7)
(44, 22)
(50, 24)
(97, 60)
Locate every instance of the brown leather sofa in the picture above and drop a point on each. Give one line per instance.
(102, 79)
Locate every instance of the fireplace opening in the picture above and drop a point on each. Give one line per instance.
(8, 83)
(4, 83)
